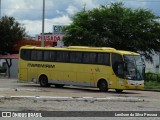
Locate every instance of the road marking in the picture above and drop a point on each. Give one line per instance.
(57, 98)
(19, 89)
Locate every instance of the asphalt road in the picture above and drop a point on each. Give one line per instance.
(16, 96)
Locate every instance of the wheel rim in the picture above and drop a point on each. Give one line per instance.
(43, 81)
(103, 86)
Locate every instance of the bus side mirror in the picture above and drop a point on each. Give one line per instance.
(143, 61)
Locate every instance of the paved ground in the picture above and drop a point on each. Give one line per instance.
(15, 96)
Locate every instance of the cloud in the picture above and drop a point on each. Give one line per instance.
(35, 26)
(32, 9)
(29, 12)
(22, 9)
(89, 4)
(136, 4)
(71, 10)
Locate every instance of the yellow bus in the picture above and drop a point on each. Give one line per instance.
(101, 67)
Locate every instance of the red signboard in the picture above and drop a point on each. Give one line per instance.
(53, 38)
(21, 43)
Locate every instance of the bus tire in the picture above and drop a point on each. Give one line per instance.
(43, 80)
(118, 90)
(59, 85)
(103, 85)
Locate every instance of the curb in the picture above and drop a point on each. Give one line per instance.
(55, 98)
(152, 90)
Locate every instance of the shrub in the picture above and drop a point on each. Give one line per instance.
(3, 69)
(152, 77)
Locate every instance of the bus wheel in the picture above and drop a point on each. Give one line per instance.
(43, 80)
(59, 85)
(118, 90)
(103, 86)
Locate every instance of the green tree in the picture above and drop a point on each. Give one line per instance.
(10, 31)
(116, 26)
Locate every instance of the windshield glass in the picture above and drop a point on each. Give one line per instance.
(134, 65)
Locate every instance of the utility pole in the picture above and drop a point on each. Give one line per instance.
(43, 20)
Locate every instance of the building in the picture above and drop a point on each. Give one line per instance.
(11, 63)
(155, 66)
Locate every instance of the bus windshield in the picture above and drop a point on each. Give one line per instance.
(134, 67)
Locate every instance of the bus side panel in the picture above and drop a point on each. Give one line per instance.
(69, 72)
(57, 72)
(105, 72)
(44, 72)
(64, 73)
(112, 81)
(22, 70)
(32, 74)
(85, 75)
(120, 83)
(54, 75)
(57, 75)
(23, 74)
(69, 76)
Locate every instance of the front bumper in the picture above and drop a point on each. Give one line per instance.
(135, 87)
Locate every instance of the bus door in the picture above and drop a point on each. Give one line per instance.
(112, 80)
(118, 69)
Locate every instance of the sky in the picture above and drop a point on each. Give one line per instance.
(60, 12)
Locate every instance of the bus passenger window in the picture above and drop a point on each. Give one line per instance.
(47, 56)
(62, 56)
(52, 55)
(89, 58)
(75, 57)
(36, 55)
(92, 58)
(25, 54)
(103, 58)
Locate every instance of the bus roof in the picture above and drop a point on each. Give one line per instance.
(91, 48)
(83, 48)
(127, 52)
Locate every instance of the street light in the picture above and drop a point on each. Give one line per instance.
(43, 17)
